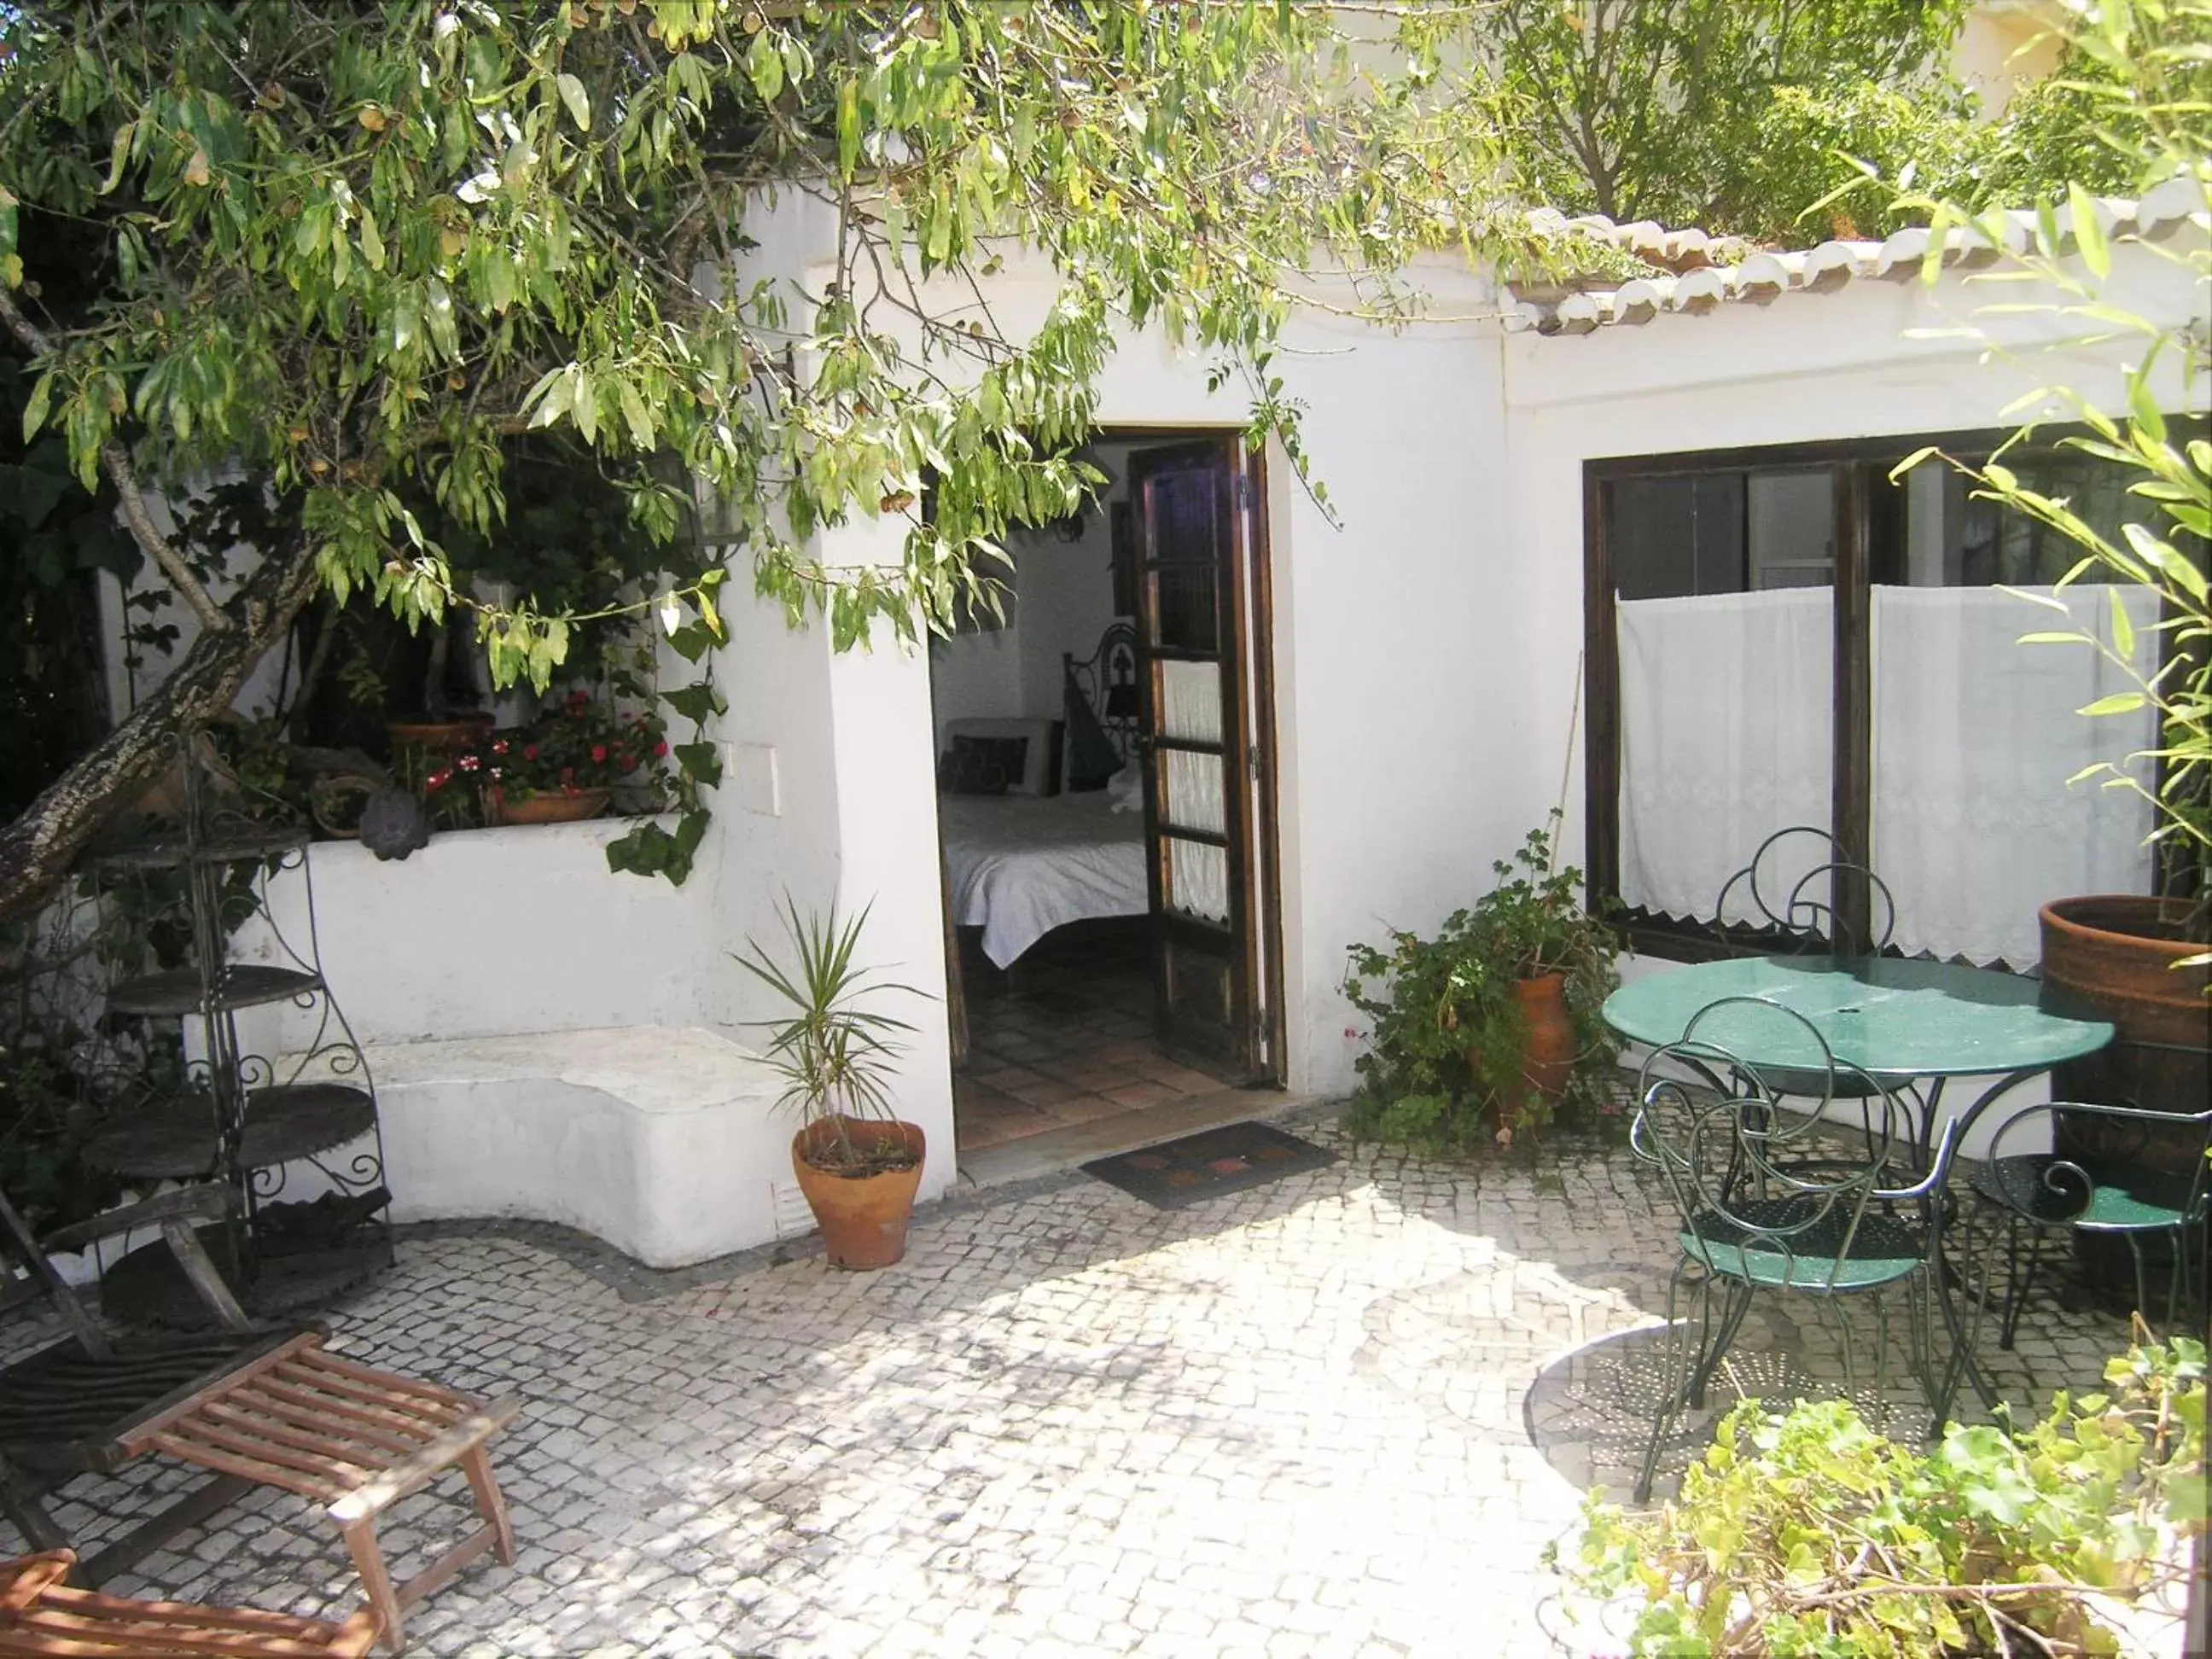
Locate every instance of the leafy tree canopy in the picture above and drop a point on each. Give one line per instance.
(1741, 118)
(350, 247)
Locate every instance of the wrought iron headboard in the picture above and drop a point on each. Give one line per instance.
(1107, 680)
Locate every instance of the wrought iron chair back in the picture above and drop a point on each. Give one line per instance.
(1772, 1186)
(1833, 905)
(2120, 1170)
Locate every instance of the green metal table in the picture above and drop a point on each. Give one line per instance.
(1909, 1025)
(1900, 1022)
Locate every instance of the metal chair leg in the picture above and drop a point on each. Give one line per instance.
(2017, 1280)
(1674, 1384)
(1710, 1357)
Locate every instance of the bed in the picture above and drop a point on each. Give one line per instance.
(1031, 856)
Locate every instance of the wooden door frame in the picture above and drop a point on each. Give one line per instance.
(1253, 573)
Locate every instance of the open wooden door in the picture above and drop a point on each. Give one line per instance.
(1202, 659)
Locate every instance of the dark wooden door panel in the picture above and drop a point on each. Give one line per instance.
(1202, 627)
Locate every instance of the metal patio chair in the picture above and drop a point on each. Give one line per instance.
(1791, 1194)
(1837, 907)
(2120, 1172)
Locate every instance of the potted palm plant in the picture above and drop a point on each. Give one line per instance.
(859, 1164)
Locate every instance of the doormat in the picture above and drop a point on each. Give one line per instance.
(1229, 1159)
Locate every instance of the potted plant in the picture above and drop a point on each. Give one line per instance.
(1488, 1023)
(558, 769)
(859, 1164)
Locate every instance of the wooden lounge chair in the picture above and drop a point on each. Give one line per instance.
(252, 1407)
(68, 1409)
(41, 1613)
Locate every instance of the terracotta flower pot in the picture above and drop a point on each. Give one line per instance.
(1551, 1061)
(438, 737)
(2116, 952)
(547, 808)
(862, 1218)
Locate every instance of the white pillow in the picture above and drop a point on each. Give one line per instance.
(1040, 768)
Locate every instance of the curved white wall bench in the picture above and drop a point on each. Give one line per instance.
(666, 1141)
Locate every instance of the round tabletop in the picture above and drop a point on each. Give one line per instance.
(1890, 1018)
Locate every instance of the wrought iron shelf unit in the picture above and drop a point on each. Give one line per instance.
(190, 991)
(276, 1099)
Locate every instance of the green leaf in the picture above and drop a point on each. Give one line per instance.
(2089, 234)
(35, 407)
(578, 101)
(765, 66)
(703, 761)
(635, 415)
(2123, 631)
(2120, 702)
(848, 126)
(2142, 403)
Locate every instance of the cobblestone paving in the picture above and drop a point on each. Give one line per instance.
(1341, 1414)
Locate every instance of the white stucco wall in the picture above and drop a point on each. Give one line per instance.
(485, 932)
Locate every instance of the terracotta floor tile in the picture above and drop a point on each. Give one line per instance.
(1181, 1078)
(974, 1134)
(1125, 1051)
(1138, 1096)
(1046, 1094)
(1008, 1079)
(1086, 1109)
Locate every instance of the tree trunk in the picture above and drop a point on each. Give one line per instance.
(37, 849)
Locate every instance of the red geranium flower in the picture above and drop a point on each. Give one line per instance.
(660, 748)
(439, 779)
(599, 754)
(530, 751)
(469, 763)
(499, 747)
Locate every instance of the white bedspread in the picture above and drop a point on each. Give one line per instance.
(1020, 866)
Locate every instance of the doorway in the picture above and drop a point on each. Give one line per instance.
(1108, 812)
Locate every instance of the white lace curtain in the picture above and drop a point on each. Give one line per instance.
(1727, 734)
(1190, 707)
(1975, 736)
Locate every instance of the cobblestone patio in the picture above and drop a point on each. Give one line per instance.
(1343, 1413)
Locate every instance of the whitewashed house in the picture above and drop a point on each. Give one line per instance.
(1403, 693)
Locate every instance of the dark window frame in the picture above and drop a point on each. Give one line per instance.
(1862, 467)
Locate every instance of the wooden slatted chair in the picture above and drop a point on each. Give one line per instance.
(355, 1439)
(252, 1406)
(68, 1408)
(41, 1613)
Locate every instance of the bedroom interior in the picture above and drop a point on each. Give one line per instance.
(1084, 911)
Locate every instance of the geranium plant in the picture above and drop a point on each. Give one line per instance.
(580, 745)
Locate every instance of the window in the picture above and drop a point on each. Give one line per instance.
(1784, 636)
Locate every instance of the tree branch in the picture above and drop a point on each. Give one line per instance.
(115, 461)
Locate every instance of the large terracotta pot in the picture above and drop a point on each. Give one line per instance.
(862, 1218)
(2116, 951)
(546, 808)
(1551, 1062)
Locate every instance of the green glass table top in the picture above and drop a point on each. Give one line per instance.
(1890, 1018)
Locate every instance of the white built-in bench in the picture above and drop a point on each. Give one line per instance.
(666, 1141)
